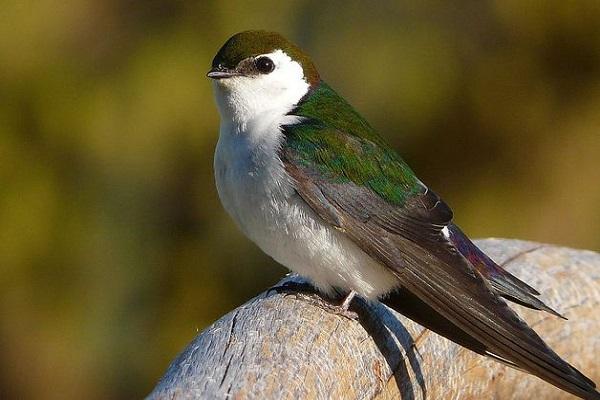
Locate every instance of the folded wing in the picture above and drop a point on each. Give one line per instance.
(504, 283)
(407, 238)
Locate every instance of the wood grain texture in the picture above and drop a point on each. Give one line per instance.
(279, 346)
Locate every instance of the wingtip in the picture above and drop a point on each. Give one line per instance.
(595, 395)
(591, 395)
(554, 312)
(587, 387)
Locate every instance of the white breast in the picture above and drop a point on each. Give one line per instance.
(257, 192)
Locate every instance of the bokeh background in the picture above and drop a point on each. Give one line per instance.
(114, 249)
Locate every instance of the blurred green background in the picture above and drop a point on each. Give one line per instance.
(114, 249)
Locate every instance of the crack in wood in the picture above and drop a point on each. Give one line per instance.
(520, 254)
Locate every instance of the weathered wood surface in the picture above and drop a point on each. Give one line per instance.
(282, 347)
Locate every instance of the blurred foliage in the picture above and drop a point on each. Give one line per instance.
(114, 248)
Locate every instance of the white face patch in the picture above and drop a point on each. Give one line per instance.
(243, 98)
(446, 232)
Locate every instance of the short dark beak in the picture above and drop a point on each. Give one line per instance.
(220, 72)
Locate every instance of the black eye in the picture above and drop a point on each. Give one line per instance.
(264, 65)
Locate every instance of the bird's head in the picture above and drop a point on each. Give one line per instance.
(257, 72)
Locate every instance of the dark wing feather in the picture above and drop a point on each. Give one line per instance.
(505, 284)
(408, 240)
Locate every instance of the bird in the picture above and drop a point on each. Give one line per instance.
(314, 186)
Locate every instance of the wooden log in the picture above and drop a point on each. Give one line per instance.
(279, 346)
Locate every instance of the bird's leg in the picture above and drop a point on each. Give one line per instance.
(347, 300)
(307, 292)
(341, 309)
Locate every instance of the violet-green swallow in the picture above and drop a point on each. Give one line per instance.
(308, 180)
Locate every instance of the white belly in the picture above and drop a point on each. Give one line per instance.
(257, 192)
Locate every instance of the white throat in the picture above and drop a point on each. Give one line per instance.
(243, 99)
(253, 109)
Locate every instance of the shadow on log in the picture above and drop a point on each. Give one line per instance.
(279, 346)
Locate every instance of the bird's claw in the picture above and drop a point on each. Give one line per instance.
(306, 292)
(329, 307)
